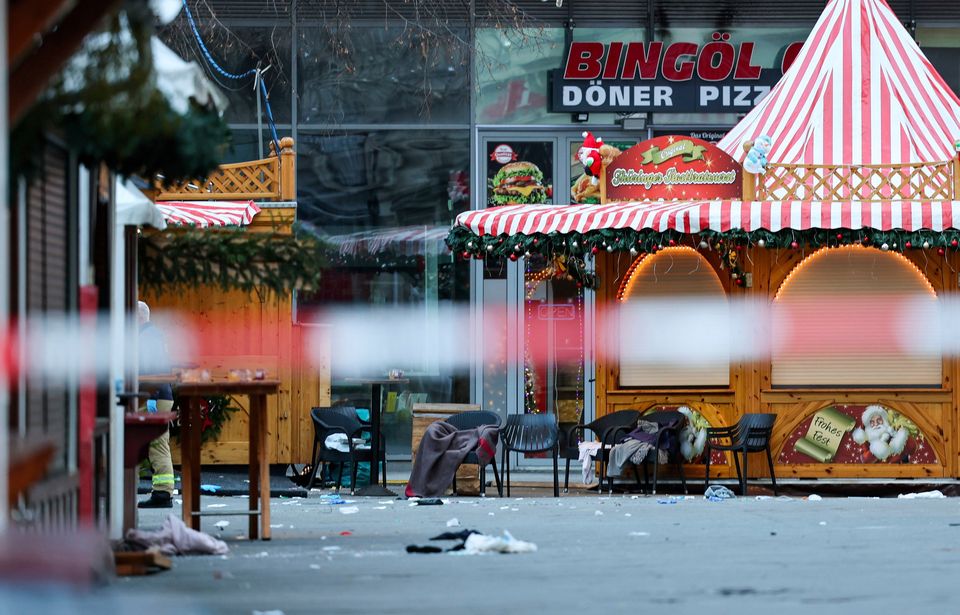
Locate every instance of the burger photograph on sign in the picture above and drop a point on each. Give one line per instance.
(516, 178)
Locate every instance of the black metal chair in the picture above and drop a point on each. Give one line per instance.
(605, 428)
(342, 419)
(472, 420)
(751, 434)
(668, 438)
(530, 433)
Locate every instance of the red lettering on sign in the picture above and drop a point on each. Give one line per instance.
(673, 68)
(583, 61)
(644, 57)
(745, 68)
(716, 61)
(790, 55)
(613, 61)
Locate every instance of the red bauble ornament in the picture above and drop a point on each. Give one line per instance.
(672, 242)
(513, 256)
(839, 236)
(941, 251)
(594, 250)
(794, 245)
(739, 281)
(465, 255)
(954, 243)
(908, 245)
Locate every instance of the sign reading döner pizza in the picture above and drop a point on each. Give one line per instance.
(673, 167)
(684, 77)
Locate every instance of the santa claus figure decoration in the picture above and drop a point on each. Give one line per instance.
(882, 441)
(589, 156)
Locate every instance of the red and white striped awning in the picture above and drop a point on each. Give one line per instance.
(859, 92)
(718, 216)
(208, 213)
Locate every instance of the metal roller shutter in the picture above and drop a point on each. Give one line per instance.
(858, 295)
(671, 275)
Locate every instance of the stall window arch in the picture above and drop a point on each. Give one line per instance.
(855, 316)
(673, 310)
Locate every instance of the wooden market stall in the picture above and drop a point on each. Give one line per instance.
(260, 195)
(838, 259)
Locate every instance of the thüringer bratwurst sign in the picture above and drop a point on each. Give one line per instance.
(673, 167)
(681, 77)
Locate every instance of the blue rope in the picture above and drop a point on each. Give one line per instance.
(229, 75)
(206, 52)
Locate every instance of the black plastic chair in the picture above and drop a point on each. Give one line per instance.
(605, 428)
(472, 420)
(668, 438)
(342, 419)
(751, 434)
(530, 433)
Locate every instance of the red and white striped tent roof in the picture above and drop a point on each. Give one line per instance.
(208, 213)
(717, 216)
(859, 92)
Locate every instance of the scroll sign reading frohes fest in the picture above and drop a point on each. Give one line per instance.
(679, 77)
(673, 167)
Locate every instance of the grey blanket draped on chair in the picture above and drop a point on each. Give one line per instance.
(442, 450)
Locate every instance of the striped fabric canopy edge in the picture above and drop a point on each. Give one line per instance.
(717, 216)
(860, 92)
(204, 214)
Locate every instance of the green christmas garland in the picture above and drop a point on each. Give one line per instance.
(578, 246)
(214, 413)
(232, 258)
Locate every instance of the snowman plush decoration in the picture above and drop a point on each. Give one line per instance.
(756, 160)
(589, 157)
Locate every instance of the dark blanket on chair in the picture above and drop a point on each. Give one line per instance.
(441, 452)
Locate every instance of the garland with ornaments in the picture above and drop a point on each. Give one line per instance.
(575, 247)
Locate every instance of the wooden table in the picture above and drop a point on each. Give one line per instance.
(190, 394)
(376, 397)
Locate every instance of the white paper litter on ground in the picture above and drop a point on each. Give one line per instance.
(639, 533)
(221, 524)
(216, 505)
(813, 497)
(349, 510)
(481, 543)
(598, 513)
(936, 494)
(453, 522)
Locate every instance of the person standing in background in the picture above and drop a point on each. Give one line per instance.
(154, 359)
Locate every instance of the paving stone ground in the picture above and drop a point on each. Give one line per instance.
(595, 554)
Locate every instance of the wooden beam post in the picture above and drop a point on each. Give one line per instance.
(956, 176)
(288, 170)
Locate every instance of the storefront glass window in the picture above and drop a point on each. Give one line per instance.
(384, 201)
(942, 48)
(382, 75)
(513, 69)
(770, 45)
(239, 49)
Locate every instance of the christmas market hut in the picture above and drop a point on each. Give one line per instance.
(225, 270)
(826, 223)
